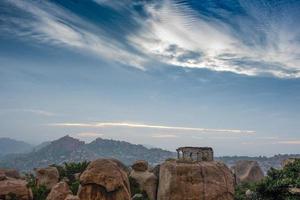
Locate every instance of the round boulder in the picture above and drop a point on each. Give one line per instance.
(59, 191)
(202, 180)
(48, 176)
(16, 187)
(104, 180)
(140, 165)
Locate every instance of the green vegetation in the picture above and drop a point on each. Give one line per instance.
(67, 172)
(39, 192)
(275, 186)
(135, 189)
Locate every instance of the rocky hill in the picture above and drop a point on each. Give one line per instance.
(68, 149)
(264, 162)
(10, 146)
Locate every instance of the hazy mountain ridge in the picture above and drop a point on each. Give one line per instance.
(265, 162)
(11, 146)
(68, 149)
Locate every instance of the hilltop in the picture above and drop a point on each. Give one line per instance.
(68, 149)
(11, 146)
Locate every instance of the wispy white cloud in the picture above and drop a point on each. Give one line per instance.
(53, 25)
(173, 32)
(290, 142)
(33, 111)
(150, 126)
(262, 140)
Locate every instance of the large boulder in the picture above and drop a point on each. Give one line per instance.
(155, 170)
(59, 191)
(12, 173)
(16, 187)
(195, 181)
(247, 171)
(104, 180)
(48, 176)
(147, 182)
(140, 165)
(72, 197)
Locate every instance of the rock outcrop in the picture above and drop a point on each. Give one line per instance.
(140, 165)
(288, 161)
(59, 191)
(247, 171)
(146, 180)
(48, 177)
(295, 191)
(72, 197)
(195, 181)
(16, 187)
(104, 180)
(12, 173)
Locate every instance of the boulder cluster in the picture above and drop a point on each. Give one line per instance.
(109, 179)
(11, 183)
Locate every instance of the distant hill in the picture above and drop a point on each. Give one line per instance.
(265, 162)
(10, 146)
(68, 149)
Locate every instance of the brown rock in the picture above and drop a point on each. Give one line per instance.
(16, 187)
(147, 181)
(295, 191)
(155, 170)
(140, 165)
(59, 191)
(72, 197)
(288, 161)
(195, 181)
(12, 173)
(77, 176)
(247, 171)
(104, 180)
(120, 164)
(48, 176)
(2, 176)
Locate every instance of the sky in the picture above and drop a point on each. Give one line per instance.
(163, 73)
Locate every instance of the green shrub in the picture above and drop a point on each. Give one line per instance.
(135, 189)
(39, 192)
(73, 168)
(74, 186)
(68, 171)
(275, 186)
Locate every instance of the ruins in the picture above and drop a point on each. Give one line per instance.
(195, 153)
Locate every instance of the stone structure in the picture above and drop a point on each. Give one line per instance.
(195, 153)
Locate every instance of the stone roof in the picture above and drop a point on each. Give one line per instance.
(194, 148)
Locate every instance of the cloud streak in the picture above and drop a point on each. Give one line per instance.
(261, 40)
(255, 45)
(33, 111)
(54, 25)
(149, 126)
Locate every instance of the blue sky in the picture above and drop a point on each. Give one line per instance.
(164, 73)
